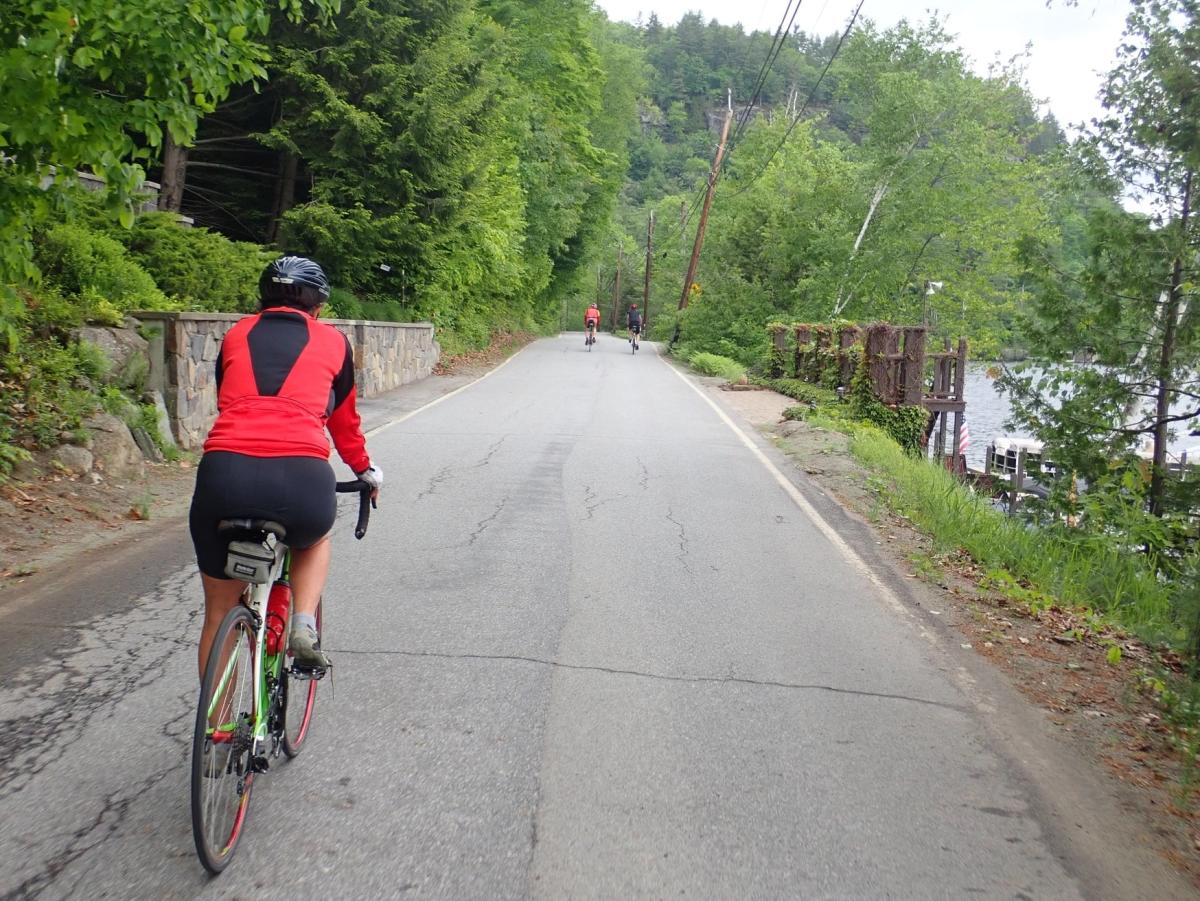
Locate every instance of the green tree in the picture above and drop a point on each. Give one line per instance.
(1132, 299)
(94, 86)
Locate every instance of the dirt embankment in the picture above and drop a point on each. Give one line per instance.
(48, 519)
(1056, 659)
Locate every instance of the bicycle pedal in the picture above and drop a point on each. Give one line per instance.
(259, 764)
(308, 672)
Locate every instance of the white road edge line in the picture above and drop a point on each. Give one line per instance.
(806, 508)
(437, 400)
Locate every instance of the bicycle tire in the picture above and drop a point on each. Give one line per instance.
(293, 742)
(225, 797)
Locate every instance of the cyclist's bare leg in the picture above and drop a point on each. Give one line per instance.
(310, 569)
(219, 597)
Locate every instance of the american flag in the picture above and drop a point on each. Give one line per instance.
(964, 438)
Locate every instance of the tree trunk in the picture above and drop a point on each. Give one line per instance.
(285, 192)
(843, 298)
(1165, 388)
(174, 174)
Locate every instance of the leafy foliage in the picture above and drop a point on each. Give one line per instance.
(713, 364)
(1129, 298)
(93, 86)
(49, 381)
(901, 193)
(95, 272)
(198, 269)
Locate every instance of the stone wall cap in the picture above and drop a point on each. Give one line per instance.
(177, 315)
(173, 315)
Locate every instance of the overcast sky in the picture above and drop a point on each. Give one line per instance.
(1071, 47)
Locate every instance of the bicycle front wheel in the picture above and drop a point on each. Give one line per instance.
(223, 741)
(300, 696)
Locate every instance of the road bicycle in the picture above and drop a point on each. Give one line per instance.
(254, 703)
(633, 339)
(591, 337)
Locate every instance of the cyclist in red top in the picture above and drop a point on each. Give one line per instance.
(282, 379)
(591, 319)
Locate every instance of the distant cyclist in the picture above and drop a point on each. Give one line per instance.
(283, 378)
(634, 320)
(591, 319)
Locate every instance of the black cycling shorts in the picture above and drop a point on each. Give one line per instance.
(296, 492)
(636, 329)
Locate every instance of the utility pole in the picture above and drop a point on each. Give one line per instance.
(649, 260)
(617, 286)
(712, 184)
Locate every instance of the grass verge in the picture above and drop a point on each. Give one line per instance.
(1045, 566)
(1107, 583)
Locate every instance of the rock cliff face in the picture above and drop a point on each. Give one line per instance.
(107, 446)
(124, 349)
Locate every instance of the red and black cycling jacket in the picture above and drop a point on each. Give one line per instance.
(282, 378)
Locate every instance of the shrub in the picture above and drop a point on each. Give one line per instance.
(712, 364)
(96, 273)
(798, 390)
(344, 305)
(197, 268)
(48, 381)
(1053, 564)
(387, 311)
(905, 425)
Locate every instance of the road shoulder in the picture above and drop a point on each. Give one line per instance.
(1063, 718)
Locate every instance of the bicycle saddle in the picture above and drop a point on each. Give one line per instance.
(250, 529)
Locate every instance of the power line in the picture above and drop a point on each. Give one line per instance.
(804, 108)
(784, 29)
(777, 44)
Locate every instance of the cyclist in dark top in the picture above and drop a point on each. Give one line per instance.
(282, 379)
(634, 320)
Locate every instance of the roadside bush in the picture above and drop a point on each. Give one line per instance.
(905, 425)
(723, 367)
(344, 305)
(387, 311)
(96, 273)
(1042, 565)
(197, 268)
(798, 390)
(48, 382)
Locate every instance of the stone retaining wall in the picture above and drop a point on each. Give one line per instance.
(183, 354)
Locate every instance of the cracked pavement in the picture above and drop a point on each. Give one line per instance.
(589, 649)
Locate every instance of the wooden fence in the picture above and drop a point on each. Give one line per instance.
(899, 368)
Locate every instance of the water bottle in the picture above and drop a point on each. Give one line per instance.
(278, 609)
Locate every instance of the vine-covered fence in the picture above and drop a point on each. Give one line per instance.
(891, 363)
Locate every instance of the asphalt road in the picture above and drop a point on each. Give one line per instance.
(591, 648)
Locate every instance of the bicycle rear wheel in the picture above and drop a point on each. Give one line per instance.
(300, 696)
(223, 741)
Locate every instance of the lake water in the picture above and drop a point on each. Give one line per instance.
(987, 410)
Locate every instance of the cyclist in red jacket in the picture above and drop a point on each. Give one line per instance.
(591, 319)
(282, 379)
